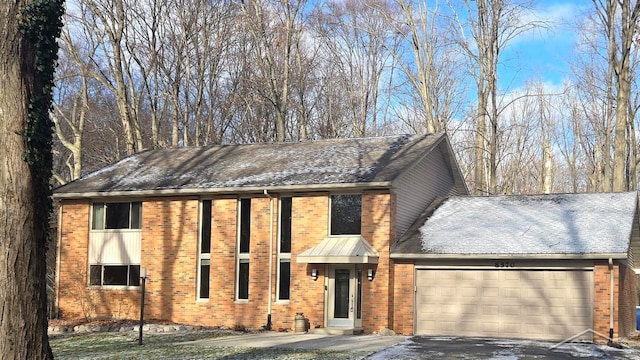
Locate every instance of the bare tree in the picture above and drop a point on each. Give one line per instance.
(488, 27)
(620, 29)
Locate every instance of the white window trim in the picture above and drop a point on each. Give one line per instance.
(281, 255)
(241, 256)
(201, 256)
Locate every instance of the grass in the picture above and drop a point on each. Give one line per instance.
(98, 346)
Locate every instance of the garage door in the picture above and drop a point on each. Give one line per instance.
(527, 304)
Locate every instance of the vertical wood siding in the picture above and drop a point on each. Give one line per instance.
(115, 247)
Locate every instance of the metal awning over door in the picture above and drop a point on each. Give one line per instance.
(340, 250)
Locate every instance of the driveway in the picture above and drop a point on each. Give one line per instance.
(419, 347)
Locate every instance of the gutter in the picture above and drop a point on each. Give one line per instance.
(593, 256)
(222, 190)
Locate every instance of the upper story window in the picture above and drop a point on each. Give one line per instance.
(117, 215)
(346, 214)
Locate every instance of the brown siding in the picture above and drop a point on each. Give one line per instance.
(416, 189)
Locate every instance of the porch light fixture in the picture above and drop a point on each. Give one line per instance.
(314, 274)
(370, 274)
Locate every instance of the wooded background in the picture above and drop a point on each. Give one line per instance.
(143, 74)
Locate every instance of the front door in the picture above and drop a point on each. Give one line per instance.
(344, 291)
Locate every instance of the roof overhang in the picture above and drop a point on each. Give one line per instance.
(221, 190)
(340, 250)
(593, 256)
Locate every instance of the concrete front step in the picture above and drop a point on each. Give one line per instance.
(336, 331)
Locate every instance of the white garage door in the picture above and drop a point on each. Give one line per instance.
(527, 304)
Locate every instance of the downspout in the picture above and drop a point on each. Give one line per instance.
(268, 325)
(56, 302)
(611, 290)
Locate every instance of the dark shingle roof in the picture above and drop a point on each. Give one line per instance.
(525, 225)
(313, 163)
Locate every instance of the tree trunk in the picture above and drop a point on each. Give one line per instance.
(26, 74)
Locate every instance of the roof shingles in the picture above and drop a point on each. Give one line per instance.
(336, 161)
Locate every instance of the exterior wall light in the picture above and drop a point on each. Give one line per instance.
(314, 274)
(370, 274)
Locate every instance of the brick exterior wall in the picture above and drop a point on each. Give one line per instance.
(624, 300)
(628, 301)
(404, 295)
(378, 229)
(170, 237)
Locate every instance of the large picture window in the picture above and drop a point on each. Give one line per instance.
(117, 215)
(346, 214)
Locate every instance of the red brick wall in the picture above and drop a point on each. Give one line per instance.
(75, 298)
(309, 226)
(628, 301)
(170, 254)
(377, 226)
(624, 300)
(404, 297)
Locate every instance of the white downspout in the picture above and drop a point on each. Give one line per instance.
(611, 290)
(268, 326)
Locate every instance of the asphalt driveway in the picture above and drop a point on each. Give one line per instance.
(419, 347)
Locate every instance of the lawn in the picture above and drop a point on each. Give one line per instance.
(116, 345)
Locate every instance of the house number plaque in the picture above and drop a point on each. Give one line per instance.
(504, 264)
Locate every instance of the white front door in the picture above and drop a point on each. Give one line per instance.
(344, 291)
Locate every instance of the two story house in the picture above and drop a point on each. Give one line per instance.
(250, 235)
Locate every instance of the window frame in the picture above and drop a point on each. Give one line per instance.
(102, 284)
(103, 205)
(204, 257)
(330, 220)
(284, 256)
(243, 256)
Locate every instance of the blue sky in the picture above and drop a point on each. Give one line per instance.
(543, 54)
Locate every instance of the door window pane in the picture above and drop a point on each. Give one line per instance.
(341, 301)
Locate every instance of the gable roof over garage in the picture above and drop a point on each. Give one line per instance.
(560, 225)
(322, 164)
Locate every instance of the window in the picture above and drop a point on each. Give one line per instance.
(204, 260)
(346, 214)
(244, 242)
(114, 275)
(284, 250)
(117, 215)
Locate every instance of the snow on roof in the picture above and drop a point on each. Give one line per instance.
(533, 224)
(336, 161)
